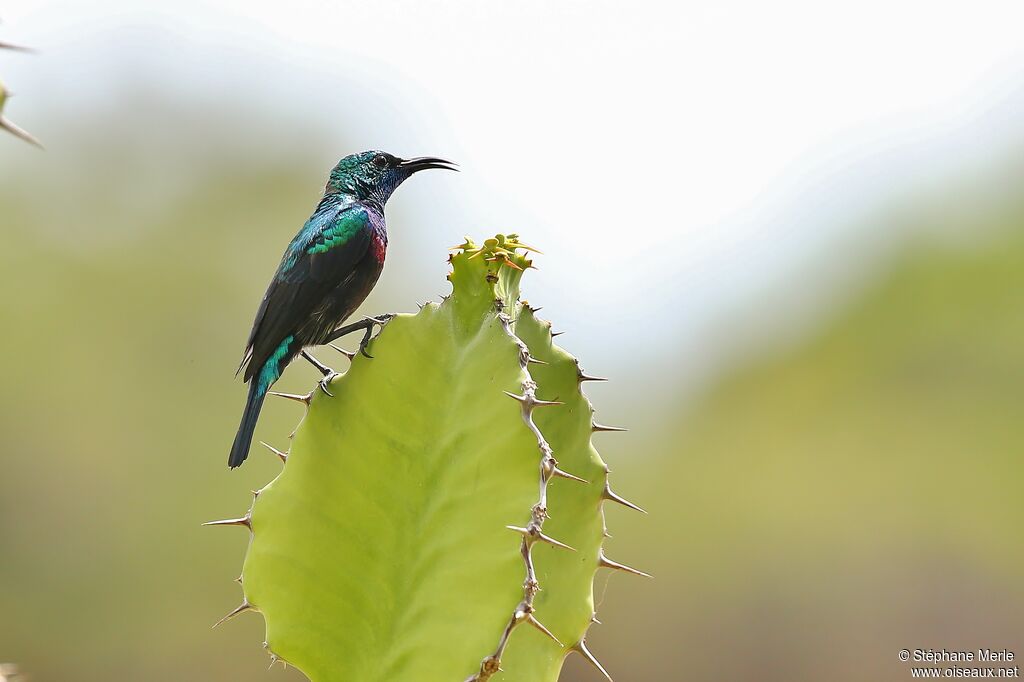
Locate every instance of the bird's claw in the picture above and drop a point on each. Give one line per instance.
(368, 336)
(327, 372)
(326, 381)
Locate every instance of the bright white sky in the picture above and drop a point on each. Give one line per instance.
(692, 152)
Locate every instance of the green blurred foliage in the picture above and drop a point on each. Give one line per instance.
(859, 493)
(816, 511)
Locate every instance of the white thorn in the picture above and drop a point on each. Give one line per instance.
(582, 650)
(564, 474)
(348, 354)
(551, 541)
(537, 624)
(245, 606)
(13, 129)
(282, 455)
(608, 494)
(605, 562)
(304, 399)
(595, 427)
(538, 535)
(242, 521)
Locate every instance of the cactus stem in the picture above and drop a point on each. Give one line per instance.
(605, 562)
(488, 667)
(304, 399)
(282, 455)
(583, 651)
(348, 354)
(608, 494)
(601, 428)
(532, 620)
(533, 532)
(242, 521)
(244, 606)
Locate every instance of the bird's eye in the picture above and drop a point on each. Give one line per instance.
(380, 161)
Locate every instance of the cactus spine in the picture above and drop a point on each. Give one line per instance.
(422, 518)
(6, 124)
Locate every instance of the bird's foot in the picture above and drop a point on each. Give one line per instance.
(368, 335)
(328, 373)
(366, 325)
(326, 381)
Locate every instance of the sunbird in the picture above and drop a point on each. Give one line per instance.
(327, 271)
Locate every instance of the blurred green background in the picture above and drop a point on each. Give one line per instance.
(817, 507)
(833, 473)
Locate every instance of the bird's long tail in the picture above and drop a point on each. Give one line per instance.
(243, 439)
(260, 382)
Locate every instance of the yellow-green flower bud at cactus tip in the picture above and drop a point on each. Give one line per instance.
(439, 519)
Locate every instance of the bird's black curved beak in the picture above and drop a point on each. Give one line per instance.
(424, 163)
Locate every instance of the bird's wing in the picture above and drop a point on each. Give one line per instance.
(316, 262)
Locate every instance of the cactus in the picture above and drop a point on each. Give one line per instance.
(421, 527)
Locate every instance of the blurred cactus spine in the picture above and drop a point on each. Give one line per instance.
(422, 518)
(9, 673)
(5, 123)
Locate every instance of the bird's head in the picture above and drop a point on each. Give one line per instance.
(374, 175)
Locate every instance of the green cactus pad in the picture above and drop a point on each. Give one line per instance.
(422, 523)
